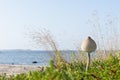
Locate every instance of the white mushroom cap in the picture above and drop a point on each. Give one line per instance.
(88, 45)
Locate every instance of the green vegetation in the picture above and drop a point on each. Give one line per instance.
(108, 69)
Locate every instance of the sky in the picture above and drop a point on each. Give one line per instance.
(67, 20)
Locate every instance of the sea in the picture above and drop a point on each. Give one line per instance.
(29, 57)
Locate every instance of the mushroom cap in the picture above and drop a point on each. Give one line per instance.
(88, 45)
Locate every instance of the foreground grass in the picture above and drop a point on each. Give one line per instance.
(100, 70)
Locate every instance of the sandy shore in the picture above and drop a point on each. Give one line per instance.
(10, 69)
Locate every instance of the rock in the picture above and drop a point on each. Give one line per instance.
(12, 63)
(34, 62)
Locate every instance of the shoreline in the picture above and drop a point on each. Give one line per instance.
(10, 69)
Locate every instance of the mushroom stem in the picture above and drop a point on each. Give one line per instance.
(88, 61)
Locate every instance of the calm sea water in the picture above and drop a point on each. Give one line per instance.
(26, 57)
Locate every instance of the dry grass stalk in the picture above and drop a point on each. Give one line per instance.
(106, 34)
(43, 38)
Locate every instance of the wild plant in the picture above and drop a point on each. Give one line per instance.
(45, 39)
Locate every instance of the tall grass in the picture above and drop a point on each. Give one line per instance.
(45, 39)
(106, 33)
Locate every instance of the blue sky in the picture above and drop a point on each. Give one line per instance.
(65, 19)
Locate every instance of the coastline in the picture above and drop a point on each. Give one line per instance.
(10, 69)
